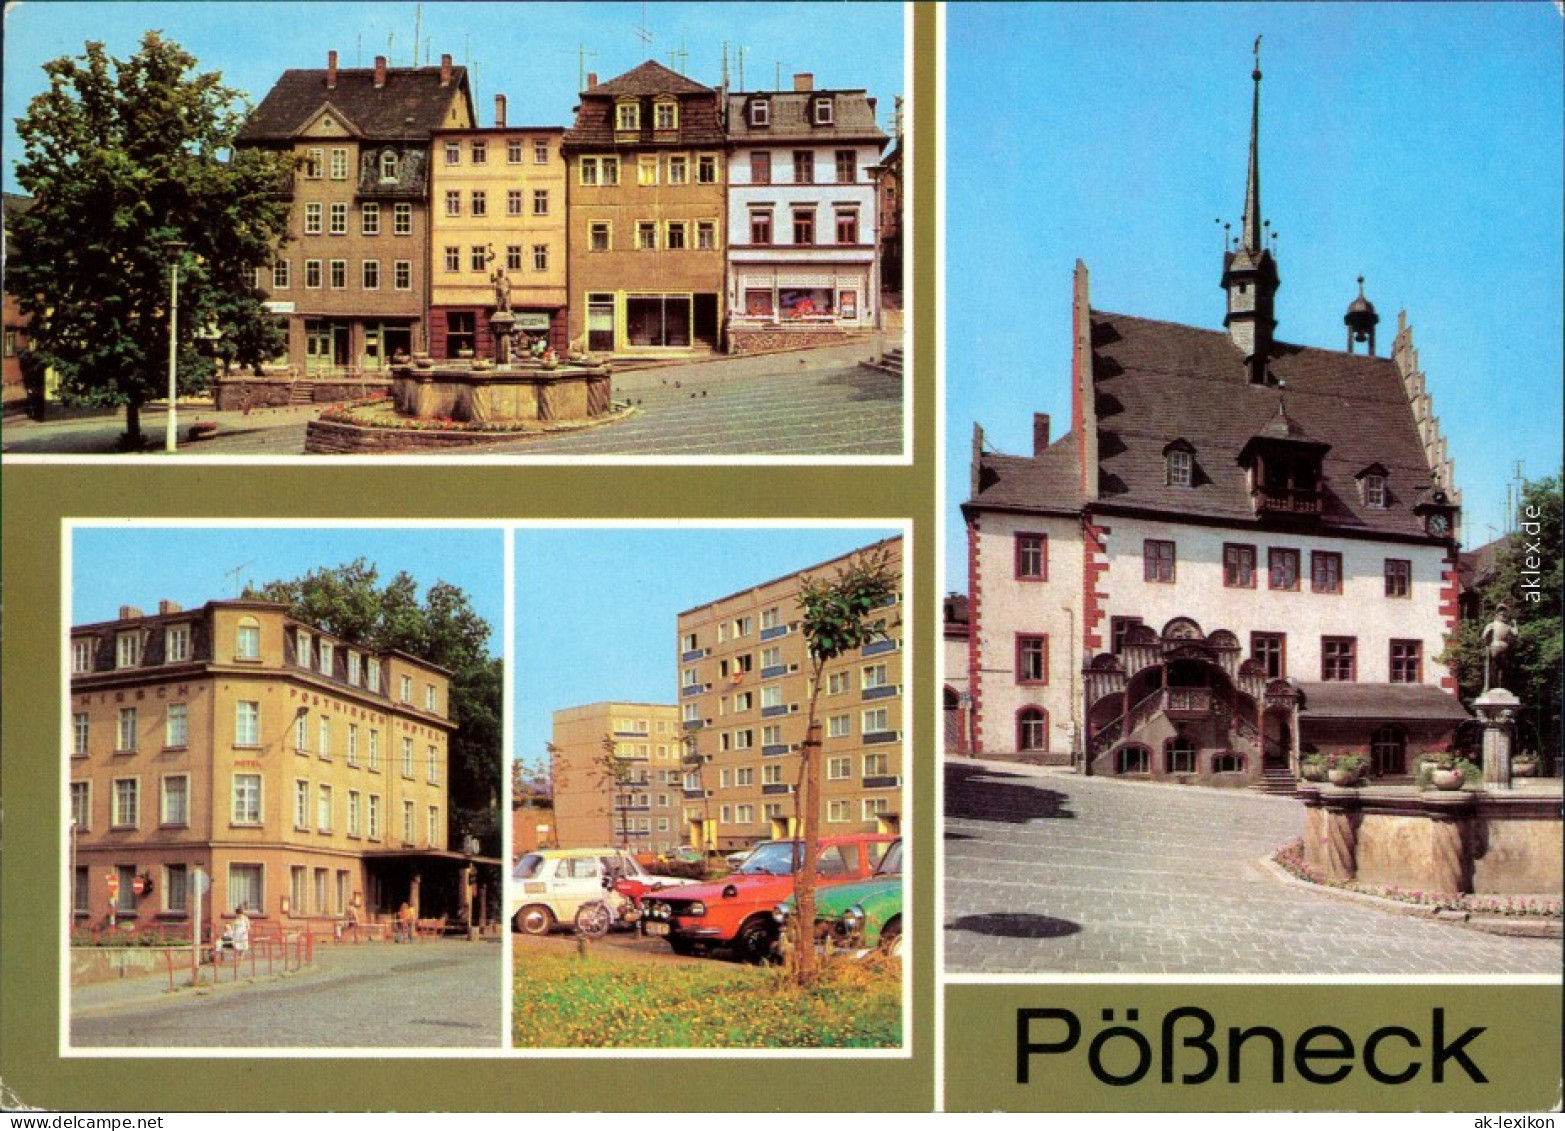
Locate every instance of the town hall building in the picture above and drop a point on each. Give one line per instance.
(1243, 549)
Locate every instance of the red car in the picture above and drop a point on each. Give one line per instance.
(736, 912)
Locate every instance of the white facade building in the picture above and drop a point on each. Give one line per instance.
(802, 217)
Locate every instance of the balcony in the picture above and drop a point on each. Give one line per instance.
(775, 750)
(883, 781)
(879, 647)
(885, 691)
(774, 632)
(1285, 500)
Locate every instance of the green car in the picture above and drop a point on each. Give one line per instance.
(866, 913)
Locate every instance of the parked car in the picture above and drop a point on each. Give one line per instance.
(549, 885)
(867, 913)
(736, 912)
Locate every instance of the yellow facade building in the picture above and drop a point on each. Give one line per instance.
(618, 776)
(304, 775)
(498, 203)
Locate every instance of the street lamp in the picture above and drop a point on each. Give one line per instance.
(173, 249)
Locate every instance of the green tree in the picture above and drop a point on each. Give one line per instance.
(838, 617)
(616, 774)
(1527, 579)
(443, 629)
(122, 156)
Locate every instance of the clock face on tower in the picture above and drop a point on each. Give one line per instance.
(1438, 525)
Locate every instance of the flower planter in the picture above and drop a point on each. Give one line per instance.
(1342, 777)
(1524, 769)
(1447, 779)
(1312, 773)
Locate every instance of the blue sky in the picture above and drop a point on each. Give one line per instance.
(530, 52)
(597, 606)
(1416, 144)
(125, 564)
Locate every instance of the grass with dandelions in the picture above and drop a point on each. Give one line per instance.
(597, 1000)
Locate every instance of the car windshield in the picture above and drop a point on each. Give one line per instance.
(774, 858)
(528, 867)
(891, 863)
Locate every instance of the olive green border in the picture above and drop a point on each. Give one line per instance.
(36, 498)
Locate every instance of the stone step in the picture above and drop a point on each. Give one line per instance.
(1277, 780)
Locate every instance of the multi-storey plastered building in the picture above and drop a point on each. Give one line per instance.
(802, 217)
(352, 279)
(744, 692)
(618, 776)
(1242, 549)
(498, 203)
(304, 775)
(646, 160)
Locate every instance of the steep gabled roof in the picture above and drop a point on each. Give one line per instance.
(699, 121)
(411, 105)
(1156, 381)
(648, 79)
(1047, 482)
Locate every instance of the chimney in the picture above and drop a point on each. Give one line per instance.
(129, 612)
(165, 607)
(803, 81)
(592, 79)
(499, 111)
(1040, 433)
(331, 70)
(380, 71)
(445, 70)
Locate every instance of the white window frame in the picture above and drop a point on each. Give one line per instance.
(245, 802)
(176, 726)
(247, 722)
(125, 803)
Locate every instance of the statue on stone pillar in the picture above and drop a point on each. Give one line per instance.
(502, 289)
(1499, 637)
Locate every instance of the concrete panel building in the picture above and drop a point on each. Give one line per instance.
(305, 775)
(618, 776)
(744, 689)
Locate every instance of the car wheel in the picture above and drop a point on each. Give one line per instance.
(683, 946)
(891, 936)
(534, 919)
(754, 941)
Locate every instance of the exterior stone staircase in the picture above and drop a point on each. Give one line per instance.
(1276, 780)
(890, 362)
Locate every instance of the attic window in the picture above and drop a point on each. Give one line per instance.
(388, 165)
(627, 116)
(760, 113)
(1180, 465)
(823, 112)
(1373, 486)
(665, 116)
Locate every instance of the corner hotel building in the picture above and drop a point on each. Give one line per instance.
(305, 775)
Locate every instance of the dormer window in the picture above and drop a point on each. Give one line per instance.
(823, 112)
(127, 649)
(1179, 467)
(760, 113)
(665, 116)
(1373, 489)
(627, 116)
(388, 165)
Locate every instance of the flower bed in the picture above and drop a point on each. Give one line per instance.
(1290, 858)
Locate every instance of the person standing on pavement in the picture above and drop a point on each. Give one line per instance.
(239, 935)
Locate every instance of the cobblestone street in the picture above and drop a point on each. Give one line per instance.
(818, 402)
(1049, 873)
(441, 994)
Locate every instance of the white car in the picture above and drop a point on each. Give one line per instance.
(549, 885)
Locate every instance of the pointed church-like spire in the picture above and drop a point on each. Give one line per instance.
(1249, 270)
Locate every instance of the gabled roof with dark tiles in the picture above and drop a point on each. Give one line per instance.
(1047, 482)
(791, 117)
(699, 120)
(1379, 701)
(1158, 381)
(411, 105)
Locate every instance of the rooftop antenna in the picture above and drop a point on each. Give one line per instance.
(778, 79)
(236, 573)
(418, 29)
(391, 39)
(644, 33)
(582, 55)
(741, 50)
(682, 56)
(358, 50)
